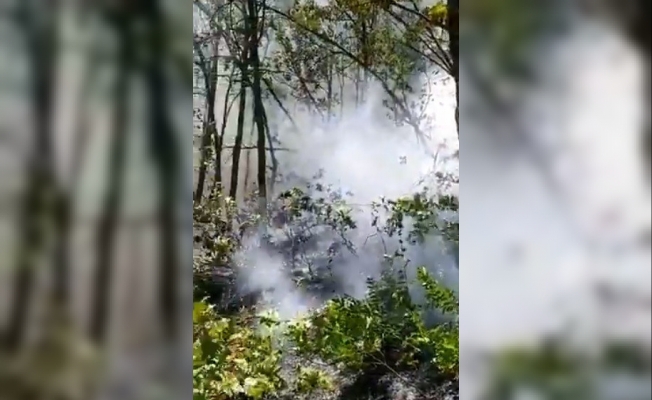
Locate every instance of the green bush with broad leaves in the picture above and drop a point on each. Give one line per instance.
(242, 357)
(231, 359)
(386, 330)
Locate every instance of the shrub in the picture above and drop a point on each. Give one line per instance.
(382, 332)
(232, 356)
(242, 356)
(231, 359)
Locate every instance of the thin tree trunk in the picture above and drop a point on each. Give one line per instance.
(272, 155)
(248, 158)
(452, 26)
(237, 145)
(646, 133)
(342, 86)
(329, 89)
(219, 137)
(259, 110)
(209, 128)
(364, 49)
(243, 65)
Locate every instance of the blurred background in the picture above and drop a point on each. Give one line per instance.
(97, 125)
(95, 105)
(555, 200)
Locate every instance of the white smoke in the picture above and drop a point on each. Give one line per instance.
(368, 155)
(534, 256)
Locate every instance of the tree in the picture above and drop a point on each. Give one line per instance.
(318, 48)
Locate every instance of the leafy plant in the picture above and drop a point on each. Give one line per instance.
(231, 359)
(310, 380)
(387, 328)
(384, 332)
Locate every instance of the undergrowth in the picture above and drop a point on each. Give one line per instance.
(243, 355)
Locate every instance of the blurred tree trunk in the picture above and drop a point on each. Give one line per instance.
(66, 200)
(42, 47)
(106, 235)
(452, 26)
(164, 151)
(646, 134)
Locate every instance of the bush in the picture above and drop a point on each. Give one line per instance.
(243, 356)
(231, 359)
(385, 332)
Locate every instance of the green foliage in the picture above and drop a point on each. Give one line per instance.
(424, 214)
(213, 235)
(557, 369)
(212, 222)
(385, 331)
(310, 380)
(317, 47)
(230, 358)
(332, 210)
(321, 42)
(551, 369)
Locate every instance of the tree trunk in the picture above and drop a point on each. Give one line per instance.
(452, 26)
(243, 66)
(272, 155)
(646, 132)
(209, 127)
(247, 170)
(239, 136)
(165, 154)
(259, 111)
(42, 45)
(329, 89)
(218, 142)
(102, 288)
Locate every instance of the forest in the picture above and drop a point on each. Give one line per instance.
(316, 246)
(326, 208)
(325, 199)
